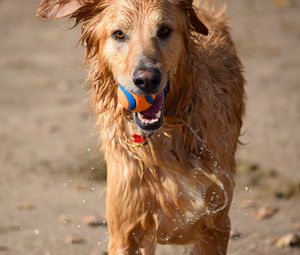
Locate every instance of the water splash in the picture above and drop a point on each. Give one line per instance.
(216, 169)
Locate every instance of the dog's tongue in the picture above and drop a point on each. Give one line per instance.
(156, 106)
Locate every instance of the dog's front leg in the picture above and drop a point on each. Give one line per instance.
(121, 236)
(126, 231)
(120, 220)
(149, 248)
(214, 241)
(126, 212)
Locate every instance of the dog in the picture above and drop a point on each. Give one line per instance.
(173, 182)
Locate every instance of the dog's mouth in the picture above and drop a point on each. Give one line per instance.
(152, 119)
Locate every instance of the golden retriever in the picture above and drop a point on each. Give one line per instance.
(176, 186)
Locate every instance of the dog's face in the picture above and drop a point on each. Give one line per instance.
(143, 47)
(141, 42)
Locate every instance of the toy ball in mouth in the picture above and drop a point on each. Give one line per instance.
(134, 102)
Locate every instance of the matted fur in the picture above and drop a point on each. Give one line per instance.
(178, 188)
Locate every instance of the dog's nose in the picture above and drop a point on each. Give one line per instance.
(147, 79)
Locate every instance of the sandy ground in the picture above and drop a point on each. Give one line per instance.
(50, 168)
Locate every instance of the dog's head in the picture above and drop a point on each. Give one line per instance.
(140, 42)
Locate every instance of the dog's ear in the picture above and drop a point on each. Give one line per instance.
(195, 22)
(55, 9)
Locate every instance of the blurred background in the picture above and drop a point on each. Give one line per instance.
(52, 177)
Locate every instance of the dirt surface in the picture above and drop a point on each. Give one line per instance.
(50, 167)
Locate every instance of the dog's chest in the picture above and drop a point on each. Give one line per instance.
(183, 206)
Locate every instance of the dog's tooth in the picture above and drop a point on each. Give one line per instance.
(157, 115)
(149, 121)
(154, 120)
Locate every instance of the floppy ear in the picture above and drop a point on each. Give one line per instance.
(55, 9)
(196, 23)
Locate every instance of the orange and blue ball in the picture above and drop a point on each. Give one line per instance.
(134, 102)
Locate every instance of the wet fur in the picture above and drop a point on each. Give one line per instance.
(178, 188)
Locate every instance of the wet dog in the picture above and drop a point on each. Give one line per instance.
(176, 186)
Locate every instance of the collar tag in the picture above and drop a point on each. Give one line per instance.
(137, 141)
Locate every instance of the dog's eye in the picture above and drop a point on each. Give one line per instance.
(164, 32)
(118, 35)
